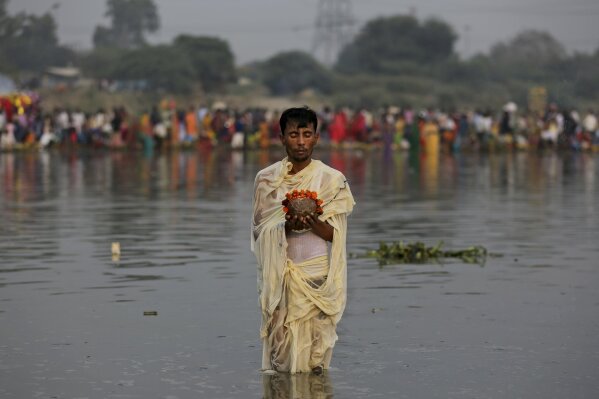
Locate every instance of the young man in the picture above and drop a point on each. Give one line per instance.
(302, 279)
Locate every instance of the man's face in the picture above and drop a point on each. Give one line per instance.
(299, 141)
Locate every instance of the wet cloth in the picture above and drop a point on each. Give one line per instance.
(301, 302)
(302, 246)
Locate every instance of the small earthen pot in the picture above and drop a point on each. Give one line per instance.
(302, 206)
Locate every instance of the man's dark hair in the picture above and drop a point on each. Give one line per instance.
(303, 116)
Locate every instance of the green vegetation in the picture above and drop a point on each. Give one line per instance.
(130, 21)
(291, 72)
(397, 60)
(418, 252)
(397, 45)
(402, 61)
(190, 62)
(211, 58)
(29, 42)
(163, 67)
(121, 54)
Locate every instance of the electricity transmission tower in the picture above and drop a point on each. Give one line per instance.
(334, 28)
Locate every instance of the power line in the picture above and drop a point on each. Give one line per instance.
(334, 28)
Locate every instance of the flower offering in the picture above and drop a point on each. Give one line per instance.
(302, 202)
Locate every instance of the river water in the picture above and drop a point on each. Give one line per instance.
(176, 315)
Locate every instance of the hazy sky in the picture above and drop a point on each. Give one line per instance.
(256, 29)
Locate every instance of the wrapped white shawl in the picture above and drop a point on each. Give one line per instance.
(269, 244)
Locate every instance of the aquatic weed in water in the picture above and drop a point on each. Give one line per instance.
(418, 252)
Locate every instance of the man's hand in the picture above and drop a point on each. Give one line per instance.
(310, 221)
(293, 222)
(320, 228)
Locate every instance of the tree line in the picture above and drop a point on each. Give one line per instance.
(397, 59)
(29, 45)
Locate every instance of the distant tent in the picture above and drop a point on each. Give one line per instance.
(7, 85)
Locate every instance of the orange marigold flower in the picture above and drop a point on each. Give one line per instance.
(295, 194)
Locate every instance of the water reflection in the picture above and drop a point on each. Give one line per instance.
(159, 205)
(297, 386)
(208, 171)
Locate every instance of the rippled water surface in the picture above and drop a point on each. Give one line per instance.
(176, 316)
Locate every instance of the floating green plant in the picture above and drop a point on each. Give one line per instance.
(418, 252)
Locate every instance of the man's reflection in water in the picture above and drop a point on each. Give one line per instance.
(297, 386)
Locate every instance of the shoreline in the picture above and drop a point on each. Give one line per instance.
(348, 146)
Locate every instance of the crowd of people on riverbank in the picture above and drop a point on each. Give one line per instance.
(24, 124)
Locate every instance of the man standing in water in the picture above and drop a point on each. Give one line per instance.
(302, 279)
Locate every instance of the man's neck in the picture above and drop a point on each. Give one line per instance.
(298, 167)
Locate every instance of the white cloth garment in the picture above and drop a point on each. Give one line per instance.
(302, 300)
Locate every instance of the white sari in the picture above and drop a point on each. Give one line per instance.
(301, 303)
